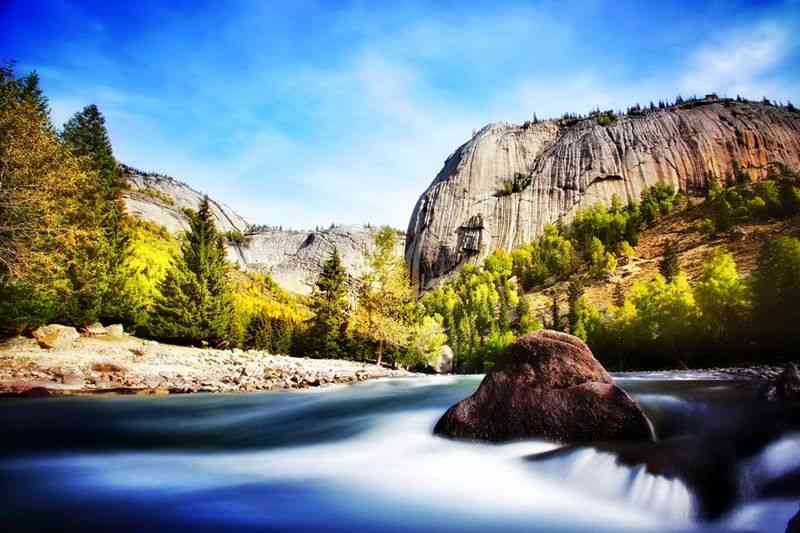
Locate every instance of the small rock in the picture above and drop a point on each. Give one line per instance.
(72, 379)
(56, 336)
(93, 330)
(115, 331)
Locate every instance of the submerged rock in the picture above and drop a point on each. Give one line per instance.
(549, 386)
(784, 388)
(56, 336)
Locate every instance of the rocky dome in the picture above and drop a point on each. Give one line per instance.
(550, 386)
(293, 258)
(499, 189)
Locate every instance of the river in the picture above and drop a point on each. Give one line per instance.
(349, 458)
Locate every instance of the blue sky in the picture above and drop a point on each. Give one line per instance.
(305, 113)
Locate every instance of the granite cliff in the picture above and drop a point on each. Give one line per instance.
(500, 188)
(293, 258)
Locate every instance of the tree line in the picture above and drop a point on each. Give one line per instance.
(659, 324)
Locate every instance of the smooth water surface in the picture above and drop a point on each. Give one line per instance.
(350, 458)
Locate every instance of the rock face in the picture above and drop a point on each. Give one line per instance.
(162, 199)
(549, 386)
(292, 258)
(55, 336)
(784, 388)
(499, 190)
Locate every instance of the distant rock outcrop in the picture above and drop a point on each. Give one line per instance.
(499, 189)
(548, 386)
(293, 258)
(162, 200)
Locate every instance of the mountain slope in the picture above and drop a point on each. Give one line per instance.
(293, 258)
(499, 190)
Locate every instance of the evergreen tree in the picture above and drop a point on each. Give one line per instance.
(259, 334)
(575, 292)
(42, 231)
(35, 96)
(86, 136)
(195, 303)
(282, 335)
(327, 334)
(670, 266)
(555, 314)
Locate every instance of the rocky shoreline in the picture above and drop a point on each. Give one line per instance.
(124, 364)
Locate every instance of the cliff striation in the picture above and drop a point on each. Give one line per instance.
(499, 189)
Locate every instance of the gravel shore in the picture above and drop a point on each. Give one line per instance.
(129, 365)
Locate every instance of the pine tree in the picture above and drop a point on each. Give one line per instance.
(555, 315)
(34, 94)
(327, 334)
(42, 232)
(282, 335)
(259, 334)
(86, 136)
(670, 266)
(195, 304)
(574, 294)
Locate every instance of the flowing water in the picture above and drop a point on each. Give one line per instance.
(351, 458)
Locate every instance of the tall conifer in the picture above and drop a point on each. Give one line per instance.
(85, 134)
(195, 303)
(327, 335)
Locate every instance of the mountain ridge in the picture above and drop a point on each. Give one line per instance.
(500, 188)
(293, 258)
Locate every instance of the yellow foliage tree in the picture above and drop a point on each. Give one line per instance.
(385, 298)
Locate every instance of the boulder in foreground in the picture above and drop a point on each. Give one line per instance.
(56, 336)
(550, 386)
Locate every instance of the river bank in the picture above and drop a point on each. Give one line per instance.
(130, 365)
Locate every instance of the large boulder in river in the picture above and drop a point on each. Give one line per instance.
(56, 336)
(550, 386)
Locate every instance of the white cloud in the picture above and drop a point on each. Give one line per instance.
(740, 62)
(368, 131)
